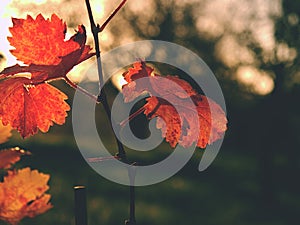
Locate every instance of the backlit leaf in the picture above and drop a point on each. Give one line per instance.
(28, 108)
(40, 41)
(22, 194)
(168, 95)
(27, 101)
(10, 156)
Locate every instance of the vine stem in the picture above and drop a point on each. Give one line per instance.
(102, 94)
(96, 29)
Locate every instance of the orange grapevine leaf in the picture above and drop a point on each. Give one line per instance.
(22, 194)
(40, 41)
(27, 102)
(164, 101)
(5, 133)
(28, 108)
(41, 44)
(10, 156)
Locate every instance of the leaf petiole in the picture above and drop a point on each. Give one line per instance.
(132, 116)
(75, 86)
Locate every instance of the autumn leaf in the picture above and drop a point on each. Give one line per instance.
(27, 102)
(166, 99)
(5, 133)
(168, 119)
(154, 84)
(22, 194)
(42, 41)
(31, 107)
(10, 156)
(41, 44)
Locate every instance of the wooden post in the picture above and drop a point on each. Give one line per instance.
(131, 174)
(80, 205)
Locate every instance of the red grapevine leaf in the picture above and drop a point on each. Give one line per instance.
(139, 70)
(168, 119)
(10, 156)
(212, 120)
(41, 73)
(40, 41)
(44, 68)
(28, 108)
(131, 90)
(155, 85)
(176, 128)
(212, 123)
(27, 102)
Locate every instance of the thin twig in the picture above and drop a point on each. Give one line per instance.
(91, 18)
(112, 15)
(95, 30)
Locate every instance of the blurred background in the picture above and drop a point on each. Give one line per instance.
(252, 46)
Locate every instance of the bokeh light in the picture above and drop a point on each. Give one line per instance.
(219, 20)
(260, 82)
